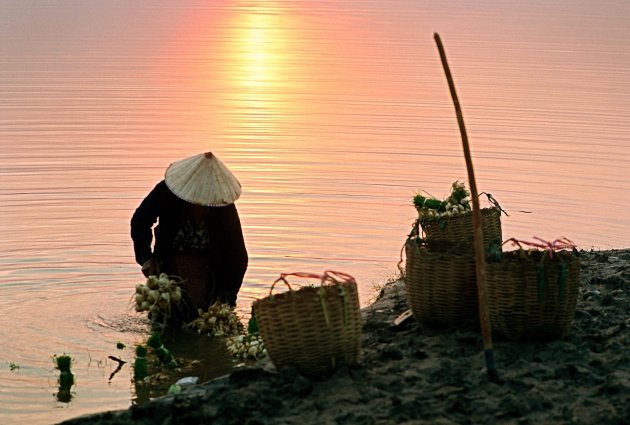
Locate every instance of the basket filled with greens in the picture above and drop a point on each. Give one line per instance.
(447, 224)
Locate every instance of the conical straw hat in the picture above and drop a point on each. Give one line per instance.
(203, 180)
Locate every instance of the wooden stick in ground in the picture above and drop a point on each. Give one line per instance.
(480, 262)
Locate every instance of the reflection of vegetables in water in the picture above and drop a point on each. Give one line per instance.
(458, 202)
(158, 295)
(140, 369)
(219, 320)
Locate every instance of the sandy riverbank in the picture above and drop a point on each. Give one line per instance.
(416, 374)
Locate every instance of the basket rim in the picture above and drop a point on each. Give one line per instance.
(432, 252)
(302, 291)
(533, 256)
(461, 216)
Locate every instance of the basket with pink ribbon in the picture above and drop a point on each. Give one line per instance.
(532, 291)
(314, 328)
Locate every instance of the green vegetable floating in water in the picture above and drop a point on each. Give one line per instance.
(63, 364)
(140, 369)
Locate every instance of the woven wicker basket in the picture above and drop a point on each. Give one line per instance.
(455, 234)
(522, 306)
(440, 286)
(314, 329)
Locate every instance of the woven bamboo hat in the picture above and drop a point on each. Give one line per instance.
(203, 180)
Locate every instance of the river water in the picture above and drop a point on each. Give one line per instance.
(332, 114)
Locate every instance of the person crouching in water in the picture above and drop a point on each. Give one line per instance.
(198, 235)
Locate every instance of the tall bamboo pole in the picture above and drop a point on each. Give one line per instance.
(480, 262)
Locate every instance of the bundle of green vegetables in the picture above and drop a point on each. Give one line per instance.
(219, 320)
(162, 353)
(458, 202)
(158, 295)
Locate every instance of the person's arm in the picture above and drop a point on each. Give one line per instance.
(142, 223)
(235, 258)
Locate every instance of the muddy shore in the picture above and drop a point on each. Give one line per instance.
(416, 374)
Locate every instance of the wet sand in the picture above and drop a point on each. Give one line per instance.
(416, 374)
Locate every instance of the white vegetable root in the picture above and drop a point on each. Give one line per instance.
(246, 346)
(158, 295)
(219, 320)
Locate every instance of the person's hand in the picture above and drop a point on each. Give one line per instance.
(150, 267)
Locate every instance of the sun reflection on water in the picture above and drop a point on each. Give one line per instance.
(258, 71)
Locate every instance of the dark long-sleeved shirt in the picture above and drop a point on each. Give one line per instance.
(227, 255)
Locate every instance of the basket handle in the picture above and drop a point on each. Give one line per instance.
(330, 277)
(494, 203)
(283, 278)
(333, 277)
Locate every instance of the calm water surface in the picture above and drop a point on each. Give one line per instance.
(332, 114)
